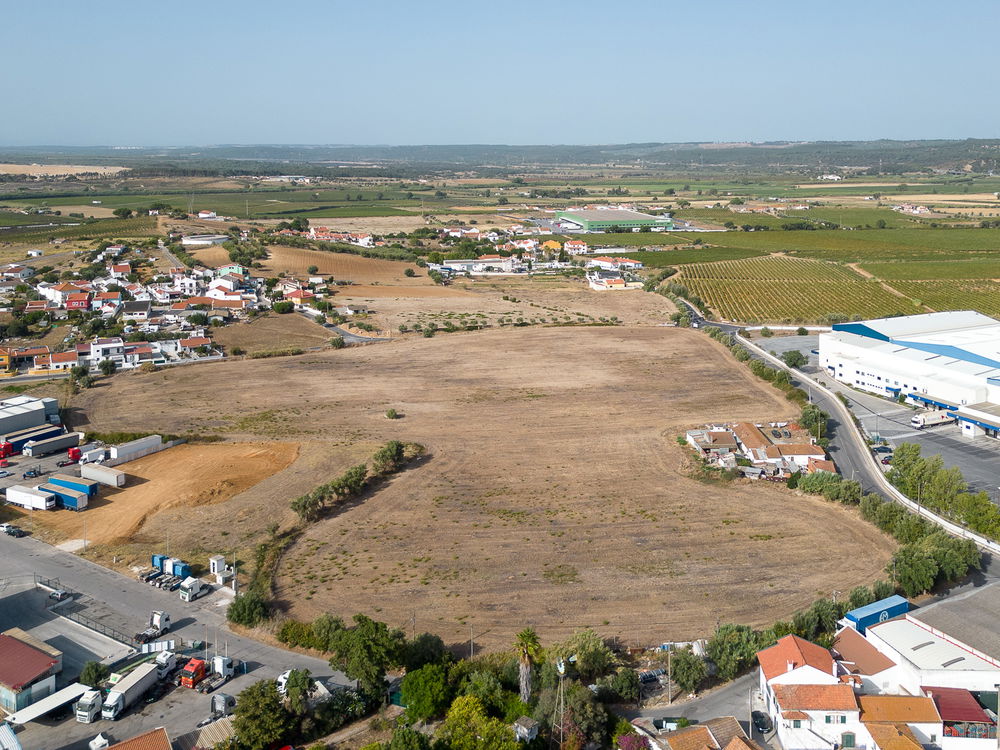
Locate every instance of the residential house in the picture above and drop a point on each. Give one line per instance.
(817, 717)
(301, 297)
(820, 464)
(99, 350)
(712, 442)
(230, 269)
(751, 439)
(613, 264)
(190, 344)
(870, 671)
(35, 253)
(58, 293)
(713, 734)
(206, 214)
(62, 360)
(139, 311)
(798, 454)
(119, 270)
(186, 285)
(917, 713)
(77, 301)
(15, 271)
(576, 247)
(27, 673)
(552, 246)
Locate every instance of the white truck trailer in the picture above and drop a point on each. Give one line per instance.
(103, 474)
(29, 498)
(34, 449)
(930, 419)
(129, 690)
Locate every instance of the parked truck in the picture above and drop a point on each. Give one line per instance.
(103, 474)
(930, 419)
(13, 442)
(221, 672)
(29, 498)
(128, 690)
(88, 708)
(65, 497)
(88, 486)
(36, 448)
(166, 663)
(193, 673)
(192, 588)
(158, 624)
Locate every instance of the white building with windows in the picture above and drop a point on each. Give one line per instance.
(945, 360)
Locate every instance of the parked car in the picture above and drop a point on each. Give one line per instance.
(761, 722)
(775, 433)
(882, 449)
(15, 531)
(786, 434)
(59, 595)
(887, 460)
(65, 463)
(5, 474)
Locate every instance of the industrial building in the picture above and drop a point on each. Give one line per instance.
(26, 673)
(947, 361)
(603, 219)
(22, 412)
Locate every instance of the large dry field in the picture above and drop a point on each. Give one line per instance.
(554, 492)
(272, 331)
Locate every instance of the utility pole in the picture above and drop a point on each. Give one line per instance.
(472, 648)
(670, 679)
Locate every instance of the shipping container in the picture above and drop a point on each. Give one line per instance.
(66, 497)
(103, 474)
(89, 486)
(29, 498)
(880, 611)
(52, 445)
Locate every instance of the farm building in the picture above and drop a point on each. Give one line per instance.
(945, 360)
(26, 673)
(603, 219)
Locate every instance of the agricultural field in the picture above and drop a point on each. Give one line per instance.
(769, 268)
(929, 270)
(955, 294)
(143, 226)
(585, 513)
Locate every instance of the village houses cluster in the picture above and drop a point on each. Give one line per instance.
(753, 452)
(161, 307)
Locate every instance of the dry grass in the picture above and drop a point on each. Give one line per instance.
(57, 170)
(272, 331)
(554, 492)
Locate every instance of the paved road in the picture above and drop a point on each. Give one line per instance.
(181, 709)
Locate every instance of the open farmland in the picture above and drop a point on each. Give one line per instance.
(553, 492)
(982, 295)
(987, 268)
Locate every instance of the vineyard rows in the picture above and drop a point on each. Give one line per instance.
(763, 301)
(955, 294)
(770, 268)
(932, 270)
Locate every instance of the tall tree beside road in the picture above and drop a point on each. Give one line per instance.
(247, 609)
(93, 674)
(528, 650)
(366, 651)
(687, 669)
(733, 649)
(260, 720)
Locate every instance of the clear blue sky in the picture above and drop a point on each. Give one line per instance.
(109, 72)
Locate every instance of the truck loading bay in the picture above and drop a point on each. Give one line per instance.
(27, 606)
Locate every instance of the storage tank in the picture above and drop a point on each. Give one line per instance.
(103, 474)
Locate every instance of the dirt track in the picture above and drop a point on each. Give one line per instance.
(554, 492)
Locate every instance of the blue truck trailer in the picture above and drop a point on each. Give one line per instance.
(14, 442)
(89, 486)
(65, 497)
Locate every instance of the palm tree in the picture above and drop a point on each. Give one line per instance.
(528, 650)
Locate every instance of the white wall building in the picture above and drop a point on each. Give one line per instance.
(946, 360)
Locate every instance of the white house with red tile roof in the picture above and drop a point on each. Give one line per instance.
(77, 301)
(194, 342)
(576, 247)
(613, 264)
(119, 270)
(63, 360)
(206, 214)
(16, 271)
(59, 292)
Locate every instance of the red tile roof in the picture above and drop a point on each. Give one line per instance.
(196, 341)
(905, 709)
(21, 664)
(64, 357)
(860, 656)
(816, 697)
(155, 739)
(956, 704)
(750, 436)
(794, 651)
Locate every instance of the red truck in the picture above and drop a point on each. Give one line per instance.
(193, 672)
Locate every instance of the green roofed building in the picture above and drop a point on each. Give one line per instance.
(603, 219)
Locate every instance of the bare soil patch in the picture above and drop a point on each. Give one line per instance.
(342, 266)
(272, 331)
(184, 476)
(58, 170)
(554, 492)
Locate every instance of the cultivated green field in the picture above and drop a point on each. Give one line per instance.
(666, 258)
(955, 294)
(930, 270)
(143, 226)
(770, 268)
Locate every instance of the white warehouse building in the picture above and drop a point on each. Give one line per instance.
(945, 360)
